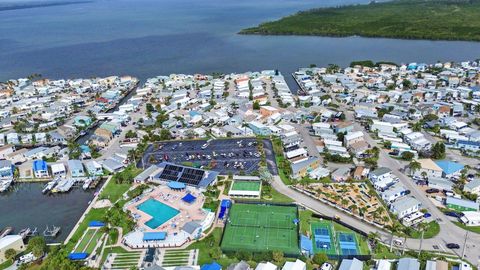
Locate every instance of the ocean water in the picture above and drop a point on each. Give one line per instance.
(146, 38)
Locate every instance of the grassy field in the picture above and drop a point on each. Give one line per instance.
(408, 19)
(85, 239)
(475, 229)
(258, 228)
(431, 230)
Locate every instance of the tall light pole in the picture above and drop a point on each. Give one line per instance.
(464, 245)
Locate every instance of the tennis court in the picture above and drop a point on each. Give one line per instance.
(323, 241)
(261, 227)
(347, 243)
(246, 185)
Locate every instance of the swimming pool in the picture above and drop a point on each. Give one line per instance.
(160, 212)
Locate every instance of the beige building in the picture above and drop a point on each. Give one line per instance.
(8, 242)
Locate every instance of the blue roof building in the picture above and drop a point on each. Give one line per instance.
(40, 169)
(211, 266)
(449, 168)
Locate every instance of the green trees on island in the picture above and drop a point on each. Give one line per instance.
(407, 19)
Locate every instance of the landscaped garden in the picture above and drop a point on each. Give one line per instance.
(357, 198)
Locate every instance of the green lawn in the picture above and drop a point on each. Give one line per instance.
(112, 237)
(85, 239)
(407, 19)
(208, 243)
(118, 250)
(432, 229)
(5, 265)
(93, 214)
(93, 242)
(475, 229)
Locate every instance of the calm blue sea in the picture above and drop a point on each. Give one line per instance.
(151, 37)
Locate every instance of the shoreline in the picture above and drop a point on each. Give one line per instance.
(352, 36)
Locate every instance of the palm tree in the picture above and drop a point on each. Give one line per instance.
(394, 228)
(414, 166)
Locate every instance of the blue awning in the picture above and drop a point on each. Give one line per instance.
(77, 256)
(176, 185)
(226, 203)
(306, 244)
(96, 223)
(154, 236)
(211, 266)
(189, 198)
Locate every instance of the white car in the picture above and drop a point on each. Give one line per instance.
(326, 266)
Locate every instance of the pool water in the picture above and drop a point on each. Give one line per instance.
(160, 212)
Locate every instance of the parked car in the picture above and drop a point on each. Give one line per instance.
(453, 246)
(453, 214)
(432, 190)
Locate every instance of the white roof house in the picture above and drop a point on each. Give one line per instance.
(383, 265)
(354, 264)
(58, 169)
(296, 265)
(471, 218)
(266, 266)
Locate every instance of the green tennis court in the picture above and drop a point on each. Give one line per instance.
(246, 185)
(261, 227)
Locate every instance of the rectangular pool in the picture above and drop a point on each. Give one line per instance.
(160, 212)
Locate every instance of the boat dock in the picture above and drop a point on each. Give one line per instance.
(64, 185)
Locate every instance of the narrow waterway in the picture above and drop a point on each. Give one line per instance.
(25, 206)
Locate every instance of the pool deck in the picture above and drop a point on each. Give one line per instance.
(172, 198)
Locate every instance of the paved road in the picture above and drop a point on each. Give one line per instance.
(447, 235)
(449, 232)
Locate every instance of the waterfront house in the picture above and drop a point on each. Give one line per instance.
(40, 169)
(112, 166)
(58, 170)
(76, 168)
(6, 169)
(82, 121)
(14, 242)
(94, 168)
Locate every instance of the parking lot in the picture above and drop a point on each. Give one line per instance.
(224, 156)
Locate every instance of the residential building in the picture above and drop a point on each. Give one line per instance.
(461, 204)
(296, 265)
(6, 169)
(353, 264)
(10, 242)
(40, 169)
(408, 264)
(302, 168)
(405, 206)
(76, 168)
(428, 168)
